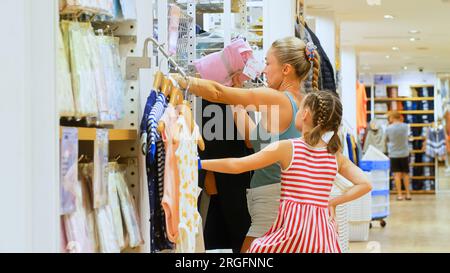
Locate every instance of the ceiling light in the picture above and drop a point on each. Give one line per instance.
(388, 57)
(413, 39)
(414, 31)
(405, 68)
(389, 17)
(374, 2)
(395, 48)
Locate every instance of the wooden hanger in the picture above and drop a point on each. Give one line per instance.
(159, 77)
(167, 88)
(189, 117)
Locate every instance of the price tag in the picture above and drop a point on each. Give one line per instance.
(253, 68)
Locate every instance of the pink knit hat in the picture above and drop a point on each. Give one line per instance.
(221, 66)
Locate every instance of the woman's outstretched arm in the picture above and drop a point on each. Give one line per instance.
(218, 93)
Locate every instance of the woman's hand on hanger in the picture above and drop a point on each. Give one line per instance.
(236, 79)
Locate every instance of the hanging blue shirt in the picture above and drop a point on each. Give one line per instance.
(152, 123)
(151, 99)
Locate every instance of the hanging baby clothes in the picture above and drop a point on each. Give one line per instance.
(63, 237)
(155, 155)
(151, 99)
(152, 123)
(101, 223)
(117, 100)
(436, 143)
(155, 180)
(83, 76)
(171, 197)
(76, 225)
(98, 67)
(108, 242)
(68, 170)
(114, 85)
(86, 171)
(114, 203)
(66, 107)
(187, 160)
(160, 217)
(129, 211)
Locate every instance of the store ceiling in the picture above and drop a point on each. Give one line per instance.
(365, 27)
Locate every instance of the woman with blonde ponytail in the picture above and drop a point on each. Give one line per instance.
(288, 62)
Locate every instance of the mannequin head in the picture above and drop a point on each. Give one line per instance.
(287, 63)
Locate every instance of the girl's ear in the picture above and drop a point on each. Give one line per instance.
(306, 114)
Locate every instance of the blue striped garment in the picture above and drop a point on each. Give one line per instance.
(152, 123)
(151, 99)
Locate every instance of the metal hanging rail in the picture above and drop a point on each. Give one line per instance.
(160, 47)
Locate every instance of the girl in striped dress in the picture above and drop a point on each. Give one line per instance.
(305, 221)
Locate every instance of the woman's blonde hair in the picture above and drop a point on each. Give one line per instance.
(293, 51)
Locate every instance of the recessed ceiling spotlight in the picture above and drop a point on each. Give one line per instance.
(374, 2)
(389, 17)
(388, 57)
(395, 48)
(405, 68)
(414, 31)
(413, 39)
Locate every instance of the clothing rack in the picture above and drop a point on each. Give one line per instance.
(161, 49)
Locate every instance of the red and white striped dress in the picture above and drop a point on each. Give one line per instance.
(303, 224)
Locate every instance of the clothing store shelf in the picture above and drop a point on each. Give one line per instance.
(406, 112)
(416, 138)
(422, 85)
(422, 164)
(417, 151)
(405, 99)
(206, 7)
(89, 134)
(420, 177)
(418, 192)
(413, 125)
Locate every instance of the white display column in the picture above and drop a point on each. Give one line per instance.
(349, 78)
(279, 18)
(29, 193)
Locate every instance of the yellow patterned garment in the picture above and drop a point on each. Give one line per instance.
(187, 159)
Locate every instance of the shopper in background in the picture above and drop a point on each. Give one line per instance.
(397, 139)
(288, 63)
(306, 217)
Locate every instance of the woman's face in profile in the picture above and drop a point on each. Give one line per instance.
(273, 71)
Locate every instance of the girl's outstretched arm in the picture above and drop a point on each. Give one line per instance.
(276, 152)
(355, 175)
